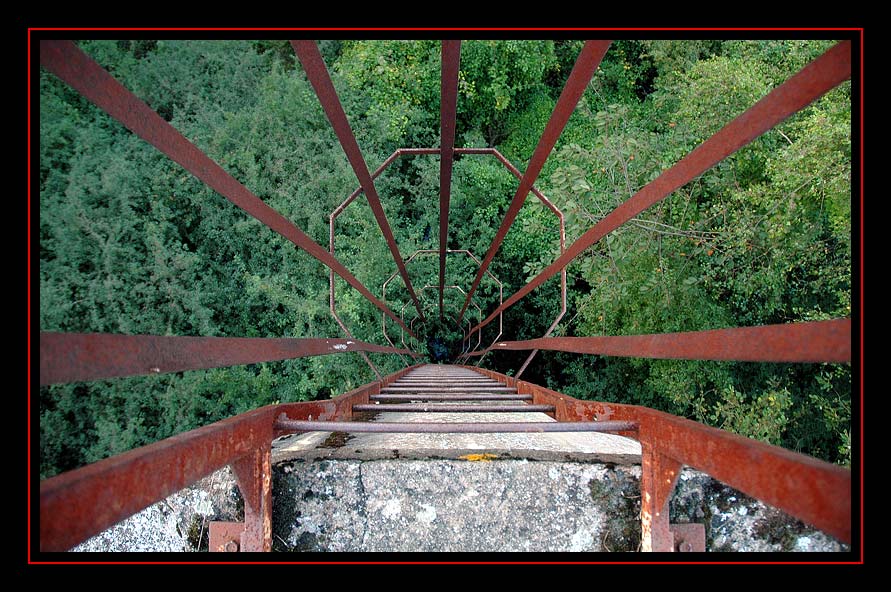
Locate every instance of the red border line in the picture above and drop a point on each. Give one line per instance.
(445, 563)
(862, 414)
(29, 295)
(580, 29)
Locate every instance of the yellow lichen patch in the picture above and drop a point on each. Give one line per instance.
(479, 457)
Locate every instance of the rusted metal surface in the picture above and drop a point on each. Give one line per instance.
(557, 212)
(332, 303)
(814, 341)
(352, 196)
(339, 408)
(816, 492)
(513, 170)
(69, 357)
(484, 382)
(254, 475)
(585, 65)
(658, 475)
(562, 312)
(224, 537)
(81, 503)
(317, 73)
(332, 308)
(290, 425)
(688, 538)
(448, 408)
(75, 68)
(445, 389)
(451, 57)
(454, 318)
(815, 80)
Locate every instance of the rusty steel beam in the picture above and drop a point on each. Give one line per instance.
(556, 211)
(332, 307)
(308, 53)
(419, 151)
(451, 57)
(586, 63)
(513, 170)
(290, 425)
(69, 357)
(253, 473)
(799, 91)
(658, 476)
(81, 503)
(349, 335)
(448, 251)
(78, 70)
(814, 341)
(448, 397)
(814, 491)
(339, 408)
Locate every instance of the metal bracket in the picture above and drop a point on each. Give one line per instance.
(225, 536)
(688, 538)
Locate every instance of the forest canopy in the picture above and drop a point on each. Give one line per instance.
(129, 242)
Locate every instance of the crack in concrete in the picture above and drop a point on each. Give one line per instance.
(363, 509)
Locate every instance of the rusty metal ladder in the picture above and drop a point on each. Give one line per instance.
(449, 389)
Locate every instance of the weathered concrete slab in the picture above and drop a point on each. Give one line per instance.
(514, 505)
(450, 506)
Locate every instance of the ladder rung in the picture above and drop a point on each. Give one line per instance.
(454, 428)
(447, 389)
(449, 397)
(423, 408)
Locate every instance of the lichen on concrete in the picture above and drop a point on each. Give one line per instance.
(513, 505)
(178, 523)
(735, 522)
(309, 506)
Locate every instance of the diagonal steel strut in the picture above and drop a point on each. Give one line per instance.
(451, 57)
(308, 53)
(585, 65)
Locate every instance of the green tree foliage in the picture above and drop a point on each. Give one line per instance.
(131, 243)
